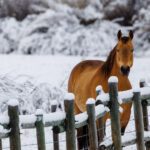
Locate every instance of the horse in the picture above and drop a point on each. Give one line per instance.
(88, 74)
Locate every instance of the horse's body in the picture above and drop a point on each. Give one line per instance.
(87, 75)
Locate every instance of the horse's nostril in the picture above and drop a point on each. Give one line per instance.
(125, 70)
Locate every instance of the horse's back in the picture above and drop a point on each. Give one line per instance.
(82, 68)
(80, 80)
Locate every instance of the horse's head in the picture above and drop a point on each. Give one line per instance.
(124, 52)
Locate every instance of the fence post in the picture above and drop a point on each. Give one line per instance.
(145, 111)
(40, 130)
(101, 124)
(55, 136)
(138, 120)
(13, 112)
(70, 122)
(114, 113)
(93, 140)
(0, 144)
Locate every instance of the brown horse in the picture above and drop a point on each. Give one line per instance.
(87, 75)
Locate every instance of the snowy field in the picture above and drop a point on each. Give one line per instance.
(54, 70)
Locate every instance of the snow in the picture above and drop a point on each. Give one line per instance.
(99, 89)
(125, 94)
(39, 33)
(107, 109)
(128, 139)
(82, 117)
(145, 90)
(13, 102)
(27, 119)
(100, 109)
(113, 79)
(39, 112)
(119, 100)
(47, 118)
(4, 119)
(69, 96)
(90, 101)
(136, 90)
(54, 102)
(54, 116)
(120, 109)
(2, 130)
(142, 80)
(104, 98)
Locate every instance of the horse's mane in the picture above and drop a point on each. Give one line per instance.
(108, 64)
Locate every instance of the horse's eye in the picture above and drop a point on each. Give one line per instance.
(132, 50)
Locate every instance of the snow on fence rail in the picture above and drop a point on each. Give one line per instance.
(64, 121)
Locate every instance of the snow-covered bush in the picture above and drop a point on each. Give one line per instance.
(54, 32)
(31, 96)
(71, 31)
(142, 28)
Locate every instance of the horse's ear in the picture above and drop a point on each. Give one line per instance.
(119, 34)
(131, 34)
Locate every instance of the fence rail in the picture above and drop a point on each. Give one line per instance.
(64, 121)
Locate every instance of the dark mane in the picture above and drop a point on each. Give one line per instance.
(108, 64)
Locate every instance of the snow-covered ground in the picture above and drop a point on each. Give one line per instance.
(54, 71)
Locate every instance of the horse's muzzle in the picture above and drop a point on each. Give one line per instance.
(125, 70)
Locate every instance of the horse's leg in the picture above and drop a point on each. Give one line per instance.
(79, 138)
(125, 117)
(100, 129)
(82, 137)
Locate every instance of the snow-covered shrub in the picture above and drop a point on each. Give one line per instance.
(54, 32)
(9, 29)
(31, 96)
(72, 31)
(142, 28)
